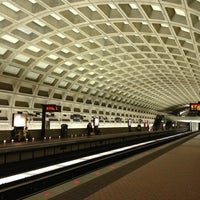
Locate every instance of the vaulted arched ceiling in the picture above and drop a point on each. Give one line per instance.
(87, 55)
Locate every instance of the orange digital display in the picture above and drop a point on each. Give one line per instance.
(52, 108)
(195, 106)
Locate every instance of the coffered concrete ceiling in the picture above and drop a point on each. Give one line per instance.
(99, 57)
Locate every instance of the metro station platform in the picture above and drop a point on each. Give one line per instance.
(167, 172)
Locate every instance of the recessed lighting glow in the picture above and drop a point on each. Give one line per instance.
(73, 11)
(92, 8)
(112, 6)
(79, 58)
(78, 45)
(65, 50)
(56, 16)
(133, 6)
(75, 30)
(10, 38)
(33, 1)
(1, 18)
(2, 51)
(61, 35)
(33, 48)
(47, 41)
(24, 30)
(156, 7)
(53, 57)
(179, 12)
(68, 63)
(22, 58)
(185, 29)
(42, 65)
(40, 23)
(91, 26)
(11, 6)
(58, 70)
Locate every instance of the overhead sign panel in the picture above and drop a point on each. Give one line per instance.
(195, 106)
(52, 108)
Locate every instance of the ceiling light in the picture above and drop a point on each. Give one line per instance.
(82, 79)
(185, 29)
(144, 23)
(60, 35)
(40, 23)
(63, 83)
(1, 18)
(22, 58)
(73, 11)
(24, 30)
(65, 50)
(10, 38)
(79, 58)
(91, 26)
(75, 30)
(11, 6)
(53, 57)
(12, 70)
(56, 16)
(179, 12)
(133, 6)
(156, 7)
(33, 48)
(32, 75)
(33, 1)
(164, 25)
(71, 75)
(2, 51)
(49, 80)
(42, 65)
(68, 63)
(78, 45)
(91, 73)
(112, 6)
(58, 70)
(47, 41)
(92, 83)
(92, 8)
(75, 87)
(81, 69)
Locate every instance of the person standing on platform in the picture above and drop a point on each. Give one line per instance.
(96, 126)
(26, 134)
(129, 125)
(89, 129)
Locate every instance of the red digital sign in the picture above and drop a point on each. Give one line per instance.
(195, 106)
(52, 108)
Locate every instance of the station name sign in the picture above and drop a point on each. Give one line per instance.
(195, 106)
(52, 108)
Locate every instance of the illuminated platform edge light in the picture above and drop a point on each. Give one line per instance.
(32, 173)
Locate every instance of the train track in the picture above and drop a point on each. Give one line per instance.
(29, 182)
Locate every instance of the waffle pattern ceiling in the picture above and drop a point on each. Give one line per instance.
(143, 53)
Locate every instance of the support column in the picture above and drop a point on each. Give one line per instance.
(43, 121)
